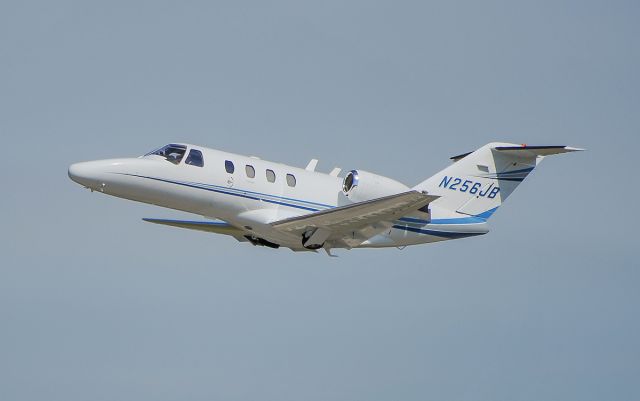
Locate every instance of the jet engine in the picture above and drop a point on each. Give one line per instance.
(360, 185)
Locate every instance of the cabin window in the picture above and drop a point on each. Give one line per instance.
(271, 176)
(195, 158)
(251, 172)
(291, 180)
(228, 165)
(172, 152)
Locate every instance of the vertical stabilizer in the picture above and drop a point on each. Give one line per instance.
(477, 183)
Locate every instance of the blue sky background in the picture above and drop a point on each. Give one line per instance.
(96, 304)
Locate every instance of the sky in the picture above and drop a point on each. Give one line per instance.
(96, 304)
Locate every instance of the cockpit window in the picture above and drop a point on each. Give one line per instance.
(195, 158)
(172, 152)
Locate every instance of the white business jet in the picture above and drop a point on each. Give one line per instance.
(272, 204)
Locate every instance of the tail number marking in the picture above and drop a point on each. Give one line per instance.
(472, 187)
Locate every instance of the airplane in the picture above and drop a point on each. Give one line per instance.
(276, 205)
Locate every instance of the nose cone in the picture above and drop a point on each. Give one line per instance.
(106, 174)
(84, 174)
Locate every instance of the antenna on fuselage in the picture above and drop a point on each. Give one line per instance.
(312, 165)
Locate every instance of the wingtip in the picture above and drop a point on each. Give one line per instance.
(572, 149)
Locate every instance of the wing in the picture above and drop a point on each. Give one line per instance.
(207, 226)
(353, 224)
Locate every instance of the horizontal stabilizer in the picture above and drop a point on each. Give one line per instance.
(536, 150)
(526, 150)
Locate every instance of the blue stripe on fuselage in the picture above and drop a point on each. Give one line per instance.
(228, 191)
(481, 218)
(443, 234)
(478, 218)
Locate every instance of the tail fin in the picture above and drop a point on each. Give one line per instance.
(478, 182)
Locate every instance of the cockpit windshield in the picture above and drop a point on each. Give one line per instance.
(172, 152)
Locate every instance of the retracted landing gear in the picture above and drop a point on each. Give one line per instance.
(314, 238)
(261, 242)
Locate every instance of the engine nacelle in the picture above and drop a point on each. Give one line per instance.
(361, 186)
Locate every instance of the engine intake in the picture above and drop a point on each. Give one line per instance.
(360, 186)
